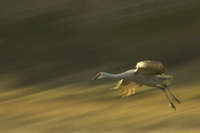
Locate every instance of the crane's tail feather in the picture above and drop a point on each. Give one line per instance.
(167, 79)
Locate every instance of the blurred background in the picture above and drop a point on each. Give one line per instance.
(50, 50)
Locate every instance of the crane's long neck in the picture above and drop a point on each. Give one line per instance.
(120, 75)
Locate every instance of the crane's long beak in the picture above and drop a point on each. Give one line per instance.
(96, 76)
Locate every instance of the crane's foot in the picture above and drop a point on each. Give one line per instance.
(172, 105)
(177, 100)
(127, 92)
(122, 93)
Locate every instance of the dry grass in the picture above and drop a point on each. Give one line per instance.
(88, 108)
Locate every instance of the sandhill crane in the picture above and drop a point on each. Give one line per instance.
(149, 73)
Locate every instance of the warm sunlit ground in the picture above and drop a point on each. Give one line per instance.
(51, 49)
(91, 107)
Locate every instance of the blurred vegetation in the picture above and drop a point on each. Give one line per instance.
(84, 35)
(49, 51)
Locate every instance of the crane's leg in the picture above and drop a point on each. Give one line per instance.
(173, 96)
(170, 102)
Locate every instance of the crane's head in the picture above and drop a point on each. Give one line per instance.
(99, 75)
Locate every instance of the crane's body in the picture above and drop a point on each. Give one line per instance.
(149, 73)
(148, 80)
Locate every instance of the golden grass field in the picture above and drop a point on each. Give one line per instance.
(51, 49)
(91, 107)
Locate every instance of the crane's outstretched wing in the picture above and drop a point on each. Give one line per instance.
(126, 88)
(149, 67)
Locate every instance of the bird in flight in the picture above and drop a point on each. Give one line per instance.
(147, 72)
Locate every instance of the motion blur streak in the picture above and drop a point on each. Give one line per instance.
(50, 50)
